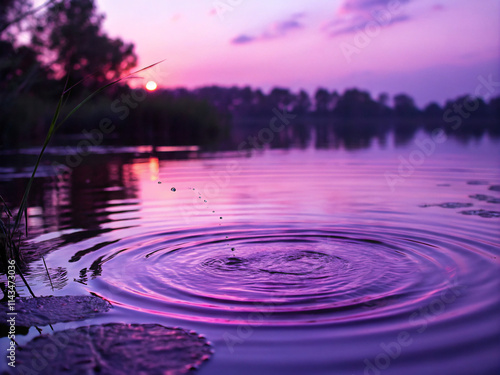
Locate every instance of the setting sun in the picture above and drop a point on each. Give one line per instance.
(151, 86)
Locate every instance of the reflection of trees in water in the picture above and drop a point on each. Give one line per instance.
(351, 119)
(94, 185)
(82, 199)
(404, 131)
(350, 134)
(58, 276)
(355, 134)
(301, 133)
(334, 133)
(323, 134)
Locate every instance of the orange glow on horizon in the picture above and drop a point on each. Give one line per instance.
(151, 86)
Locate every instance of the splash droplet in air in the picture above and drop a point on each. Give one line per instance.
(173, 189)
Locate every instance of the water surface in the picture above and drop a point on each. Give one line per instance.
(299, 261)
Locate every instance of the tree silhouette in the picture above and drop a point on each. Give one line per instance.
(302, 103)
(280, 98)
(322, 98)
(11, 13)
(69, 35)
(356, 104)
(433, 110)
(404, 106)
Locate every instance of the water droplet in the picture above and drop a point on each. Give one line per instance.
(173, 189)
(159, 182)
(213, 212)
(232, 249)
(220, 218)
(205, 200)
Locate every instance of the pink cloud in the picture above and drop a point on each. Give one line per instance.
(276, 30)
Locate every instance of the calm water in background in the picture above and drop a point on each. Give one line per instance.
(299, 261)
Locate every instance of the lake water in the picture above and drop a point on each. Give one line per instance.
(381, 260)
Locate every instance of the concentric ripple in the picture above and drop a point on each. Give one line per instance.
(290, 275)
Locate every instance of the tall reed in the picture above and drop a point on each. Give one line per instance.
(9, 223)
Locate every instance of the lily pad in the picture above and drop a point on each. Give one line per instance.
(114, 349)
(42, 311)
(454, 205)
(448, 205)
(477, 182)
(482, 213)
(487, 198)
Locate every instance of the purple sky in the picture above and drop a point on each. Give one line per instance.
(430, 49)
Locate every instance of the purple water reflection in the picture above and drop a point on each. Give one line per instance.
(316, 267)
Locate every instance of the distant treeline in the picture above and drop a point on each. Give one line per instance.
(352, 117)
(215, 116)
(352, 104)
(131, 117)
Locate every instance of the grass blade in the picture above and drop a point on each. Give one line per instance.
(9, 232)
(48, 274)
(54, 126)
